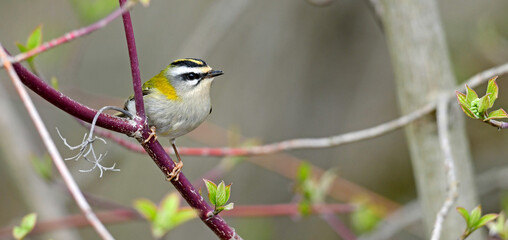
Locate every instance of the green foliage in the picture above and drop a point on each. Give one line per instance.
(219, 195)
(26, 226)
(145, 3)
(93, 10)
(33, 41)
(54, 83)
(312, 191)
(365, 218)
(476, 108)
(165, 217)
(474, 219)
(43, 166)
(499, 228)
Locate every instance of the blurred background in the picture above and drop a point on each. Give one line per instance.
(293, 69)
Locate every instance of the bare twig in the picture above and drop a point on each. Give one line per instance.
(188, 192)
(55, 155)
(337, 225)
(497, 124)
(73, 34)
(122, 215)
(333, 141)
(133, 55)
(86, 146)
(395, 222)
(452, 191)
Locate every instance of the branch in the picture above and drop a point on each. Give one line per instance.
(497, 124)
(53, 151)
(205, 212)
(333, 141)
(122, 215)
(452, 192)
(73, 34)
(71, 106)
(337, 225)
(133, 55)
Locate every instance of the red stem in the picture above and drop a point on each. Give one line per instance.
(133, 55)
(126, 214)
(72, 35)
(160, 157)
(71, 106)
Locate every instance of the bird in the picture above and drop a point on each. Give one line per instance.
(177, 100)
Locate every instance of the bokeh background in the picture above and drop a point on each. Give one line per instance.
(292, 69)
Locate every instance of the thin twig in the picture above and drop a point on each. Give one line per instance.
(188, 192)
(53, 151)
(333, 141)
(73, 34)
(395, 222)
(337, 225)
(122, 215)
(497, 124)
(133, 55)
(452, 191)
(71, 106)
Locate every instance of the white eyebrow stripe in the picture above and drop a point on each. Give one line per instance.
(181, 70)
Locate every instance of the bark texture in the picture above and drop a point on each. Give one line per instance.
(422, 70)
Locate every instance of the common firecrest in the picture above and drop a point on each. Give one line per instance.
(177, 100)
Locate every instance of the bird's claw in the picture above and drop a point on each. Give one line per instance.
(152, 134)
(175, 174)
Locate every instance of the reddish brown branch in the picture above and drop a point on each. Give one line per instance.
(125, 215)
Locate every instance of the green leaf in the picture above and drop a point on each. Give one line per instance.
(470, 95)
(493, 90)
(497, 114)
(322, 187)
(464, 213)
(475, 215)
(483, 105)
(498, 228)
(146, 208)
(29, 221)
(229, 206)
(304, 172)
(364, 219)
(35, 38)
(228, 192)
(164, 220)
(468, 112)
(145, 3)
(21, 47)
(304, 208)
(26, 226)
(486, 219)
(92, 10)
(169, 206)
(43, 166)
(461, 97)
(220, 197)
(54, 83)
(212, 191)
(183, 216)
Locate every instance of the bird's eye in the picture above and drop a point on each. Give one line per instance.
(191, 76)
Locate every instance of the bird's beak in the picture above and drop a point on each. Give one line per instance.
(214, 73)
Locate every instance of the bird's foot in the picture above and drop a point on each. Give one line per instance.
(152, 134)
(175, 174)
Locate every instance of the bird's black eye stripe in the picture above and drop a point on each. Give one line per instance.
(192, 76)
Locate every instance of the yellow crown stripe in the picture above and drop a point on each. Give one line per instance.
(190, 60)
(161, 83)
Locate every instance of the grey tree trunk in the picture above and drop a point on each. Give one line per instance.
(422, 70)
